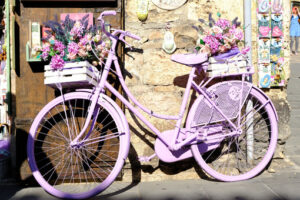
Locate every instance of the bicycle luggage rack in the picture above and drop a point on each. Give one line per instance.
(73, 75)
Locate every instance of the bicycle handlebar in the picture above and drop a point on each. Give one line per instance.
(132, 36)
(123, 33)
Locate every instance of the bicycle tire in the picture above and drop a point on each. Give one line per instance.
(235, 172)
(96, 164)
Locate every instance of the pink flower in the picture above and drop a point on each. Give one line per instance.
(217, 30)
(59, 46)
(222, 49)
(281, 60)
(239, 34)
(245, 50)
(83, 41)
(57, 62)
(88, 47)
(82, 53)
(99, 48)
(72, 56)
(205, 49)
(212, 42)
(77, 30)
(45, 51)
(227, 46)
(83, 47)
(73, 48)
(236, 33)
(223, 23)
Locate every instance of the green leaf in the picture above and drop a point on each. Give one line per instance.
(51, 53)
(218, 14)
(198, 48)
(202, 42)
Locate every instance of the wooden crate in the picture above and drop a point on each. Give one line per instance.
(74, 74)
(233, 66)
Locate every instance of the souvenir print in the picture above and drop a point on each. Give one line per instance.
(276, 6)
(263, 6)
(276, 24)
(275, 49)
(264, 51)
(264, 75)
(264, 25)
(277, 74)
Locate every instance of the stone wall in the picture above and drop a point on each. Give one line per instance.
(158, 83)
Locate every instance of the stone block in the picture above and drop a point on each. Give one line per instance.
(160, 69)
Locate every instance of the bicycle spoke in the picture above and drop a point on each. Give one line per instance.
(66, 167)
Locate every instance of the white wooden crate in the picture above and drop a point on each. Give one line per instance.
(233, 66)
(74, 74)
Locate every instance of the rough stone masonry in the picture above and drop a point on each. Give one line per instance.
(158, 83)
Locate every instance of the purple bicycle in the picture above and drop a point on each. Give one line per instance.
(83, 137)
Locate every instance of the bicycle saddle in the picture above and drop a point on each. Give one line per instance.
(190, 59)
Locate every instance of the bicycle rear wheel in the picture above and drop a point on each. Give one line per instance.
(76, 172)
(243, 156)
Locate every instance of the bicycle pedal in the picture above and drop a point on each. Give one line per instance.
(146, 158)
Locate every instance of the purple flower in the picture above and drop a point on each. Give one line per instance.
(237, 33)
(45, 52)
(219, 36)
(84, 40)
(223, 23)
(60, 47)
(77, 30)
(73, 48)
(212, 42)
(57, 62)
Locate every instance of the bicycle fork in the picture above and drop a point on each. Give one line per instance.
(93, 112)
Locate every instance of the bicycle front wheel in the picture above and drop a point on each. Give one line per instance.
(246, 154)
(82, 171)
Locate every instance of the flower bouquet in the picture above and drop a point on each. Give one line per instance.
(73, 41)
(74, 51)
(218, 37)
(221, 40)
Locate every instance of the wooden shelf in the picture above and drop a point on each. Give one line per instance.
(28, 58)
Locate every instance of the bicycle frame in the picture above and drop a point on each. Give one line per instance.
(103, 84)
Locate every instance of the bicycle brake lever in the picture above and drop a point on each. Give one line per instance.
(126, 43)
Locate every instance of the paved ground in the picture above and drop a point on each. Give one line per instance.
(293, 147)
(283, 185)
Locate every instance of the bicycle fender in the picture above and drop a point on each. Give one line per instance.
(271, 103)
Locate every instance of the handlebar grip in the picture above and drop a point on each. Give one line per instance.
(106, 13)
(133, 36)
(109, 12)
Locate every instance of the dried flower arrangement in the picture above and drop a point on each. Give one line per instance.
(74, 41)
(221, 36)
